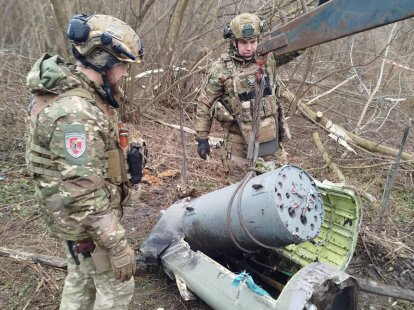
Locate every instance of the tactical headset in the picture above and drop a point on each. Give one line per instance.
(78, 32)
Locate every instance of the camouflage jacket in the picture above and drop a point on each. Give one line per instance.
(229, 80)
(67, 153)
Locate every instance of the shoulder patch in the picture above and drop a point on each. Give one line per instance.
(75, 143)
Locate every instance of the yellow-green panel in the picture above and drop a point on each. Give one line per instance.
(337, 239)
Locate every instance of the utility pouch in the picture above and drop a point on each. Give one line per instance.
(267, 131)
(100, 260)
(268, 122)
(136, 158)
(117, 173)
(115, 167)
(220, 112)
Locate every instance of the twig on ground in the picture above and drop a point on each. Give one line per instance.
(370, 258)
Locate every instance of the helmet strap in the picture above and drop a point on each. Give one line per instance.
(83, 60)
(109, 97)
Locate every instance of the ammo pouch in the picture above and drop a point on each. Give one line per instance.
(268, 121)
(136, 158)
(100, 259)
(116, 167)
(220, 112)
(117, 173)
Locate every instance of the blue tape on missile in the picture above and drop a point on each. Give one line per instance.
(244, 277)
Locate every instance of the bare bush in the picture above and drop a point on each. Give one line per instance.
(371, 71)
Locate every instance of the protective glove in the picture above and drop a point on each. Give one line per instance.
(136, 158)
(203, 147)
(123, 263)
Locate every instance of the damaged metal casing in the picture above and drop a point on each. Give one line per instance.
(272, 210)
(313, 267)
(337, 239)
(316, 286)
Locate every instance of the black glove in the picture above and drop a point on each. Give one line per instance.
(203, 148)
(136, 157)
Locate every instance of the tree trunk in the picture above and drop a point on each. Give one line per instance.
(60, 8)
(175, 24)
(174, 30)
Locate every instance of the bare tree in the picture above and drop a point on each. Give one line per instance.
(61, 10)
(174, 29)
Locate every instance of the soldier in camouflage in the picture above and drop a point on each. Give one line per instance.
(230, 95)
(76, 162)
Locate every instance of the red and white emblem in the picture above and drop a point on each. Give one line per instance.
(75, 144)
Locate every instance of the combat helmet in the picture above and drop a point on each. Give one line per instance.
(102, 42)
(90, 32)
(244, 26)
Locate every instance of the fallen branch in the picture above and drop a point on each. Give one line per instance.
(52, 261)
(213, 141)
(349, 137)
(330, 90)
(327, 159)
(374, 287)
(184, 128)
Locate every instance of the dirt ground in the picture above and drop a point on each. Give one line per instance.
(385, 255)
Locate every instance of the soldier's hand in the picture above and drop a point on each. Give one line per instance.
(123, 264)
(203, 147)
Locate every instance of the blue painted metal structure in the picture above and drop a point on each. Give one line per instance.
(333, 20)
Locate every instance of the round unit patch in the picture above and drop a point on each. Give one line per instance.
(251, 80)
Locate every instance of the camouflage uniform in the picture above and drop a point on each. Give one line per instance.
(80, 180)
(69, 139)
(228, 96)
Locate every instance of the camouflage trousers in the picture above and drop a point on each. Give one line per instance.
(233, 157)
(85, 288)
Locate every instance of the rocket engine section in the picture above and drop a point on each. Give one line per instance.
(270, 211)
